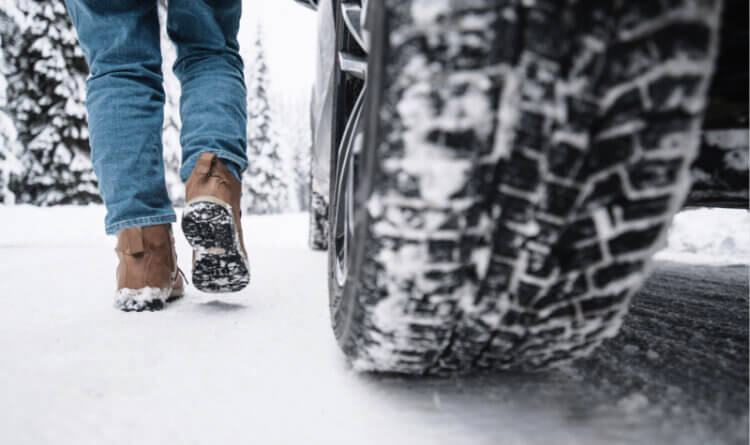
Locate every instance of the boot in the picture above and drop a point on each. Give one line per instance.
(211, 224)
(147, 276)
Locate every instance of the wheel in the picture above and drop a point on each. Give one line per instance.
(347, 140)
(318, 225)
(503, 172)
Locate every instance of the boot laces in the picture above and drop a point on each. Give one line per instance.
(182, 274)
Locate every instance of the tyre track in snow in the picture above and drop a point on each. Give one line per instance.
(676, 373)
(684, 344)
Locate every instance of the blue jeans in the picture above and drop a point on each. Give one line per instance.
(125, 97)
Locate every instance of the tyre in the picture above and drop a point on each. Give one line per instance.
(318, 225)
(503, 172)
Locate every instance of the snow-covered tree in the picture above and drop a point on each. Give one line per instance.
(10, 167)
(264, 188)
(292, 123)
(302, 178)
(46, 100)
(172, 122)
(9, 146)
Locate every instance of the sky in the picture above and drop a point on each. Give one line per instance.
(289, 35)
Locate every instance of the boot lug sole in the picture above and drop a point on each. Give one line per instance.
(220, 265)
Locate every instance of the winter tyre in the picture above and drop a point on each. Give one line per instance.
(318, 235)
(518, 164)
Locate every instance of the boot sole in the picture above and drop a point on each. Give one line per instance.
(219, 266)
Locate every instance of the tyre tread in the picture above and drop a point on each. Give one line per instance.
(511, 239)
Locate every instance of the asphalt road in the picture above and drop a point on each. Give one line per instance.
(676, 373)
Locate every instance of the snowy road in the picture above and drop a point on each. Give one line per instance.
(262, 366)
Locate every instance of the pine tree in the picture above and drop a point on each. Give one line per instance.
(302, 178)
(46, 100)
(263, 185)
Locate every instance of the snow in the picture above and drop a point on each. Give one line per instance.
(140, 299)
(260, 366)
(709, 236)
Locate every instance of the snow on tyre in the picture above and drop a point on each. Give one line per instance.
(504, 172)
(317, 237)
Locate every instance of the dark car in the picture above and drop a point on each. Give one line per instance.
(492, 177)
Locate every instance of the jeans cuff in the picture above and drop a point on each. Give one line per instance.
(189, 164)
(112, 229)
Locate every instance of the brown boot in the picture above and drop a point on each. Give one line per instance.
(211, 224)
(147, 276)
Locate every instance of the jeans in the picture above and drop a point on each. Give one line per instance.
(125, 97)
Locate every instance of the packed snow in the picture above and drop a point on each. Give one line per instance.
(259, 366)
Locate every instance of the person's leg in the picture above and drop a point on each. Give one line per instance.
(213, 104)
(125, 101)
(213, 108)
